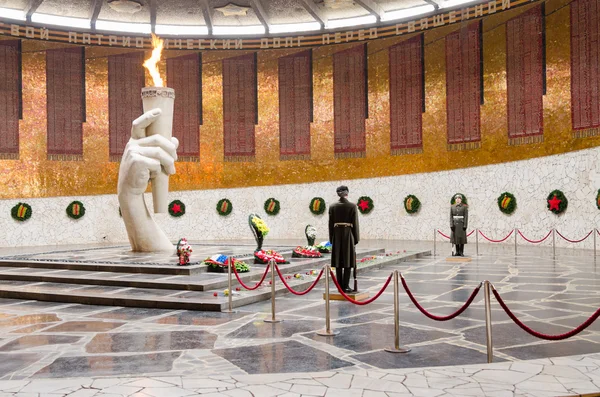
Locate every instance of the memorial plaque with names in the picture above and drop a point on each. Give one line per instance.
(463, 87)
(295, 105)
(406, 96)
(349, 102)
(65, 90)
(585, 73)
(524, 76)
(184, 75)
(125, 82)
(239, 107)
(10, 100)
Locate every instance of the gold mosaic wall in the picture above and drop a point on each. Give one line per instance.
(34, 176)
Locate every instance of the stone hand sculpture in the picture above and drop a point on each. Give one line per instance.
(144, 158)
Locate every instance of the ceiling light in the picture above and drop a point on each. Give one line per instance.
(60, 20)
(294, 27)
(407, 12)
(181, 29)
(125, 6)
(241, 30)
(123, 26)
(454, 3)
(340, 23)
(10, 13)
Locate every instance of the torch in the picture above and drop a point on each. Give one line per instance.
(163, 98)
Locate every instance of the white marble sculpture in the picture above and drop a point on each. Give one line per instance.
(145, 157)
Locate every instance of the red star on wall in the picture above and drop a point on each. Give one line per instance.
(175, 208)
(364, 205)
(554, 203)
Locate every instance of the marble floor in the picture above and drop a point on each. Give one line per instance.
(59, 349)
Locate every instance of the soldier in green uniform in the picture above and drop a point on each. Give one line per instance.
(459, 218)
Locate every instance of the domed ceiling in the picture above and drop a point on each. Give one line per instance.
(214, 17)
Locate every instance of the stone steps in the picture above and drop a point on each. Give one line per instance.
(166, 291)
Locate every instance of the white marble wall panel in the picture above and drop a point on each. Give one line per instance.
(576, 174)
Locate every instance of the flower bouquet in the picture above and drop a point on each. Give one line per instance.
(311, 234)
(259, 229)
(184, 250)
(309, 251)
(218, 264)
(264, 256)
(324, 247)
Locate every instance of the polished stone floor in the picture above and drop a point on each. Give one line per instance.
(220, 351)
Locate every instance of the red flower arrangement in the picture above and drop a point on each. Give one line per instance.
(306, 252)
(264, 256)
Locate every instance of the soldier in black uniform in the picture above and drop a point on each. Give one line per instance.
(459, 218)
(344, 235)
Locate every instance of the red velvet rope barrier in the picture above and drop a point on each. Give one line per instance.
(534, 241)
(472, 231)
(360, 302)
(574, 241)
(257, 284)
(496, 241)
(293, 291)
(525, 328)
(441, 318)
(448, 237)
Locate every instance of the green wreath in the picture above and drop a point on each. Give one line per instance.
(507, 203)
(75, 210)
(365, 204)
(224, 207)
(464, 198)
(557, 202)
(272, 206)
(176, 208)
(598, 199)
(21, 212)
(411, 204)
(317, 205)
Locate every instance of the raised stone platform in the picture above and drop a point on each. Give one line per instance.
(115, 276)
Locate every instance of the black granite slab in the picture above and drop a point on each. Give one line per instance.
(13, 363)
(285, 329)
(552, 349)
(85, 326)
(30, 341)
(140, 342)
(131, 313)
(200, 318)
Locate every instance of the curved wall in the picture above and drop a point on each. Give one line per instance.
(577, 174)
(33, 176)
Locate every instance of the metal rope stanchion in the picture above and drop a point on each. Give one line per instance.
(595, 232)
(397, 348)
(272, 319)
(434, 238)
(516, 233)
(230, 294)
(477, 242)
(327, 331)
(488, 321)
(553, 243)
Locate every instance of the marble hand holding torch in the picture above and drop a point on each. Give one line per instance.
(163, 98)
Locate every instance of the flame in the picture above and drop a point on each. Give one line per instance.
(151, 63)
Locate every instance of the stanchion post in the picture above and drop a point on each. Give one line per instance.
(397, 348)
(488, 321)
(516, 233)
(272, 319)
(327, 331)
(434, 238)
(595, 232)
(477, 242)
(553, 243)
(230, 294)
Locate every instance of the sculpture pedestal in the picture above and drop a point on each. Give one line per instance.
(458, 259)
(357, 296)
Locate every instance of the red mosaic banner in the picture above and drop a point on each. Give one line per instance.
(184, 75)
(525, 76)
(239, 107)
(585, 73)
(463, 87)
(406, 96)
(350, 101)
(65, 90)
(295, 105)
(10, 100)
(125, 82)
